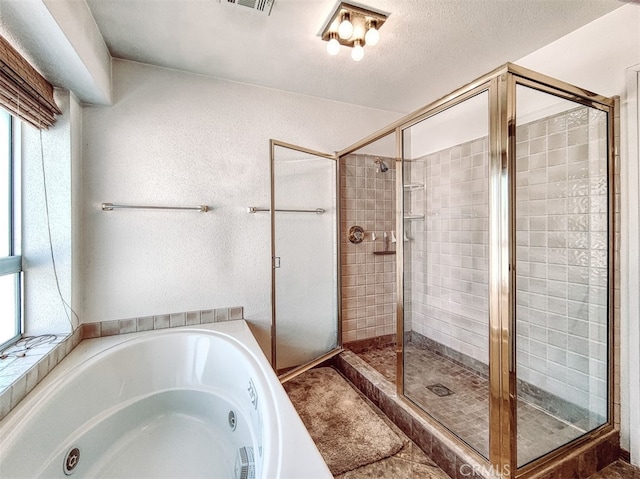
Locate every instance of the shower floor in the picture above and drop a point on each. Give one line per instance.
(466, 410)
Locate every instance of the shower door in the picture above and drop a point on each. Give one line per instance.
(305, 252)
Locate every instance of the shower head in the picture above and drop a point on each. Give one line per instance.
(382, 167)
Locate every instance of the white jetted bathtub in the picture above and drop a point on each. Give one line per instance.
(182, 403)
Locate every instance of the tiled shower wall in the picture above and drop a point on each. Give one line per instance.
(449, 248)
(561, 253)
(368, 280)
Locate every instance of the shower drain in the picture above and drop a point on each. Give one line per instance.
(440, 390)
(71, 461)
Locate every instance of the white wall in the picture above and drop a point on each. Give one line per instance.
(61, 40)
(44, 311)
(172, 138)
(596, 57)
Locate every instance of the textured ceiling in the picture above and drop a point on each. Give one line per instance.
(427, 47)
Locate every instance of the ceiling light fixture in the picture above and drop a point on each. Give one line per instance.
(372, 37)
(345, 29)
(358, 52)
(354, 27)
(333, 47)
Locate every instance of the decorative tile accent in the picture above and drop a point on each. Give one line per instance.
(178, 319)
(145, 323)
(221, 315)
(110, 328)
(127, 326)
(91, 330)
(193, 318)
(208, 316)
(161, 321)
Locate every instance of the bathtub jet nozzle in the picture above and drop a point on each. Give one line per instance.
(71, 460)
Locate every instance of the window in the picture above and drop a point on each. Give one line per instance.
(10, 259)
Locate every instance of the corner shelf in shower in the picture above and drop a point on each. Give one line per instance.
(409, 187)
(384, 252)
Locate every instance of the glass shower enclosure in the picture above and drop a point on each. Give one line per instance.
(505, 199)
(446, 264)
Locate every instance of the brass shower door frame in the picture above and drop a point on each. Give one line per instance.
(514, 76)
(501, 87)
(273, 144)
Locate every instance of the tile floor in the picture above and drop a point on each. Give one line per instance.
(617, 470)
(538, 431)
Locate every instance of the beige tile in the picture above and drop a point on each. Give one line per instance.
(144, 323)
(127, 326)
(207, 316)
(161, 321)
(90, 330)
(177, 319)
(110, 328)
(193, 318)
(221, 315)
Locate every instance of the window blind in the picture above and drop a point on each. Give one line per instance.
(23, 91)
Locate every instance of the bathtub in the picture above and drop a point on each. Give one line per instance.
(199, 401)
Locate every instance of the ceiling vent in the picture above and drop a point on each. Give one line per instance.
(263, 6)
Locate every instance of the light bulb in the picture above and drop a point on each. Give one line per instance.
(333, 47)
(345, 29)
(358, 52)
(372, 37)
